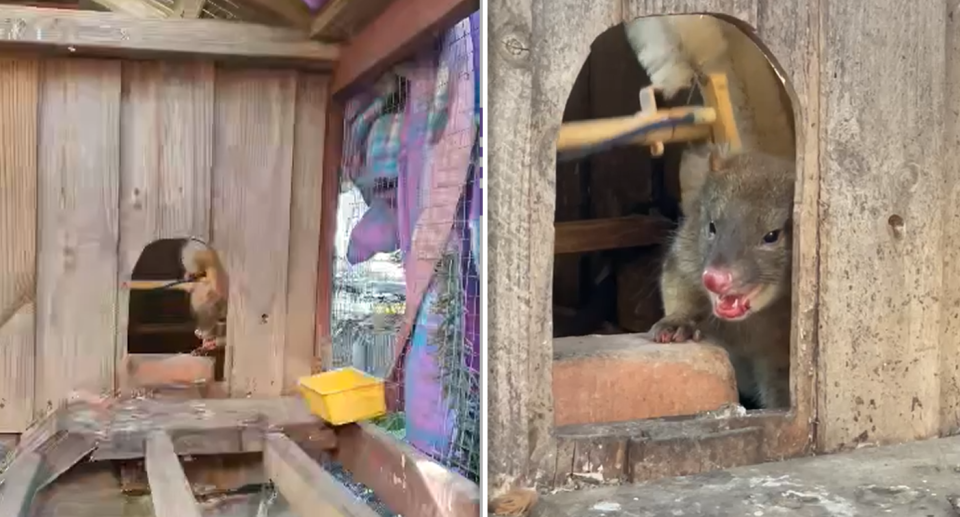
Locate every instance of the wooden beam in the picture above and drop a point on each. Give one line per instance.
(329, 202)
(294, 12)
(169, 489)
(339, 20)
(310, 490)
(226, 426)
(20, 486)
(394, 35)
(118, 35)
(609, 234)
(137, 8)
(407, 481)
(189, 9)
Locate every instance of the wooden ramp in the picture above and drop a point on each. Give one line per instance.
(287, 438)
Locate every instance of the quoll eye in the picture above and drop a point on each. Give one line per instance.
(712, 228)
(771, 237)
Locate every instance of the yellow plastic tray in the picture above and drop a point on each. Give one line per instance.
(344, 396)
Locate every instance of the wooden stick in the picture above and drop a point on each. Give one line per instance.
(146, 285)
(583, 133)
(169, 488)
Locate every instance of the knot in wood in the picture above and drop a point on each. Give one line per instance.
(516, 47)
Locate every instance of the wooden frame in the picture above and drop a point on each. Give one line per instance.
(289, 437)
(103, 34)
(533, 73)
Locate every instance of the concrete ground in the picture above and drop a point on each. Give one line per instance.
(912, 480)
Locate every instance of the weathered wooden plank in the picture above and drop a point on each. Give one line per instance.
(137, 8)
(310, 490)
(522, 197)
(79, 157)
(339, 20)
(189, 9)
(253, 163)
(210, 426)
(881, 264)
(397, 32)
(612, 233)
(295, 12)
(20, 486)
(19, 92)
(120, 35)
(170, 491)
(745, 10)
(330, 191)
(950, 301)
(305, 208)
(789, 32)
(167, 130)
(407, 481)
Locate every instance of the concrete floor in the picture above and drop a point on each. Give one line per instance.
(913, 480)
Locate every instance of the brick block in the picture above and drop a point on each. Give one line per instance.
(155, 370)
(605, 379)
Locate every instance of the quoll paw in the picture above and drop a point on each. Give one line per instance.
(670, 331)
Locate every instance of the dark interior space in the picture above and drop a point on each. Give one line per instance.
(615, 208)
(160, 321)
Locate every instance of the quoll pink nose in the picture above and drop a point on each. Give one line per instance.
(717, 280)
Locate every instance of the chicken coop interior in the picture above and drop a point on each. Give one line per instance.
(325, 153)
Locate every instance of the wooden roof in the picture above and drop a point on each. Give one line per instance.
(333, 21)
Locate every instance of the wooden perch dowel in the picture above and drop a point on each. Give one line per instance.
(609, 234)
(584, 133)
(146, 285)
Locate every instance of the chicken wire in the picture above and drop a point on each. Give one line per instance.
(369, 296)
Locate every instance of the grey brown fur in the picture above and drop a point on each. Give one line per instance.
(748, 198)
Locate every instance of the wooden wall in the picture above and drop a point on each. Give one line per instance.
(876, 333)
(100, 157)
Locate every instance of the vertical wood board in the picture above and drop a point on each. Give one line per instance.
(79, 157)
(305, 208)
(881, 264)
(253, 162)
(19, 91)
(166, 162)
(950, 302)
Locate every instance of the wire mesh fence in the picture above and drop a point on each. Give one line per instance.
(406, 270)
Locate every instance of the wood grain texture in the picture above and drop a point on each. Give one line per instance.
(526, 36)
(950, 301)
(407, 481)
(169, 489)
(120, 35)
(744, 10)
(165, 163)
(253, 162)
(19, 92)
(330, 191)
(310, 490)
(79, 158)
(305, 208)
(788, 34)
(881, 266)
(339, 20)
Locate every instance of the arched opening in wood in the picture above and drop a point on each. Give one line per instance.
(618, 211)
(159, 319)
